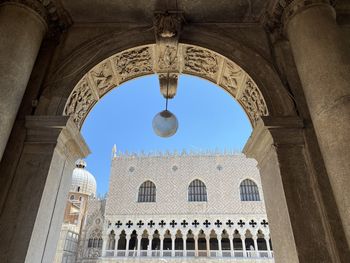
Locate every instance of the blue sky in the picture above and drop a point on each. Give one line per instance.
(209, 119)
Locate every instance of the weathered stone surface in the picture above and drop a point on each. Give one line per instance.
(234, 32)
(323, 65)
(143, 60)
(21, 32)
(39, 189)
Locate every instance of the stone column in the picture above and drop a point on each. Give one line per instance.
(207, 240)
(34, 207)
(116, 244)
(173, 246)
(139, 237)
(256, 246)
(21, 32)
(149, 248)
(184, 245)
(244, 248)
(104, 245)
(322, 57)
(231, 245)
(220, 246)
(161, 245)
(268, 247)
(127, 238)
(296, 219)
(195, 245)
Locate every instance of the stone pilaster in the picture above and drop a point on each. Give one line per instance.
(34, 207)
(291, 203)
(322, 58)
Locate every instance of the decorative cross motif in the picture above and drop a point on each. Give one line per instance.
(195, 223)
(184, 223)
(151, 224)
(206, 223)
(252, 223)
(264, 223)
(241, 223)
(140, 224)
(218, 223)
(173, 223)
(229, 223)
(129, 224)
(118, 224)
(162, 223)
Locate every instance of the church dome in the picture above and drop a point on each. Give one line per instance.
(82, 180)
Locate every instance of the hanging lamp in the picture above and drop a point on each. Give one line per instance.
(165, 123)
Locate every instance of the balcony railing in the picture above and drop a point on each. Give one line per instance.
(261, 254)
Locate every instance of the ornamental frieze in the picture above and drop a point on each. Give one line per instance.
(80, 102)
(103, 77)
(141, 61)
(232, 77)
(133, 63)
(252, 101)
(201, 62)
(168, 58)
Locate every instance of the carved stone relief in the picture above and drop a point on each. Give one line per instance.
(140, 61)
(103, 78)
(232, 77)
(198, 61)
(133, 63)
(80, 102)
(167, 58)
(252, 101)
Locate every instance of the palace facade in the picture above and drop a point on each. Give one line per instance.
(173, 207)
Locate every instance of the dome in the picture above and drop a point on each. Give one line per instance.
(82, 180)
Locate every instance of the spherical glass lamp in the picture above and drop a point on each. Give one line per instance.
(165, 124)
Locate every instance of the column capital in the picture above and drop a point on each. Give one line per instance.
(283, 10)
(50, 12)
(293, 7)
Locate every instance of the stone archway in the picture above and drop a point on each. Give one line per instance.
(269, 127)
(278, 140)
(140, 61)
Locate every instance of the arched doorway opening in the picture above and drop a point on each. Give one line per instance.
(281, 119)
(106, 76)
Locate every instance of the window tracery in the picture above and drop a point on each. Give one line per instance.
(147, 192)
(197, 191)
(95, 239)
(249, 191)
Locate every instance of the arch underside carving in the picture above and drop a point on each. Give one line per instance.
(140, 61)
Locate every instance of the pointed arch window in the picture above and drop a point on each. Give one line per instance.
(95, 239)
(147, 192)
(249, 191)
(197, 191)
